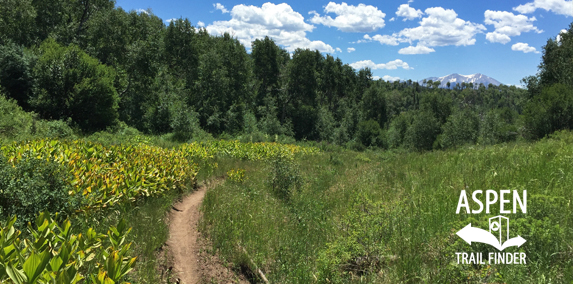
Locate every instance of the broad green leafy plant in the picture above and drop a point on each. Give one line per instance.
(53, 254)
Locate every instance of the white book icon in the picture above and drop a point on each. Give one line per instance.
(496, 228)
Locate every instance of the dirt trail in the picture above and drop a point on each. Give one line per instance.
(190, 263)
(183, 236)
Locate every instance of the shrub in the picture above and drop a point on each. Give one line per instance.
(13, 120)
(32, 186)
(54, 129)
(284, 178)
(369, 133)
(361, 249)
(185, 123)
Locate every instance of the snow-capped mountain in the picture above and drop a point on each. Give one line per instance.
(455, 79)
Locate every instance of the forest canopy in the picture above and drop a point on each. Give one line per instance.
(95, 65)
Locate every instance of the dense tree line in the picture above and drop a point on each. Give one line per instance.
(94, 64)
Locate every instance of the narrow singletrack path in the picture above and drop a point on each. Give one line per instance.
(183, 235)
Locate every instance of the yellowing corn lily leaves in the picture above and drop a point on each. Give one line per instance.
(244, 151)
(107, 175)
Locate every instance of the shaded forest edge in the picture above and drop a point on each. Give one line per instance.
(88, 66)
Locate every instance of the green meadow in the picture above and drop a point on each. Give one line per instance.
(390, 217)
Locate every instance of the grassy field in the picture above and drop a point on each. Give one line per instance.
(304, 215)
(390, 217)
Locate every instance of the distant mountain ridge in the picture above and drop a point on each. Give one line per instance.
(455, 79)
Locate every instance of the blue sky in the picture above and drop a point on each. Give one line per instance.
(396, 39)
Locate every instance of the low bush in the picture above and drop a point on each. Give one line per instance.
(370, 134)
(34, 185)
(361, 249)
(284, 178)
(13, 120)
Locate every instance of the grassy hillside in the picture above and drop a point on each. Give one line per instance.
(343, 216)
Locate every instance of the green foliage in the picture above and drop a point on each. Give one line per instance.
(397, 130)
(423, 132)
(325, 124)
(221, 92)
(552, 110)
(374, 105)
(498, 126)
(269, 122)
(13, 120)
(361, 249)
(54, 254)
(32, 186)
(370, 134)
(72, 84)
(107, 175)
(389, 216)
(16, 21)
(56, 129)
(268, 59)
(184, 123)
(555, 66)
(181, 49)
(461, 128)
(284, 178)
(440, 105)
(16, 78)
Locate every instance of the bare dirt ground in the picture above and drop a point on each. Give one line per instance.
(190, 251)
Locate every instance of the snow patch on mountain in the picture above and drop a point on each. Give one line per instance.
(455, 79)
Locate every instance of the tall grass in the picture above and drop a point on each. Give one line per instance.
(390, 217)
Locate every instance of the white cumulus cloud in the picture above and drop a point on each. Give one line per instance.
(278, 21)
(170, 20)
(408, 13)
(349, 18)
(439, 27)
(350, 49)
(142, 11)
(394, 64)
(418, 49)
(382, 39)
(338, 49)
(507, 24)
(520, 46)
(442, 27)
(390, 78)
(219, 6)
(561, 7)
(497, 37)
